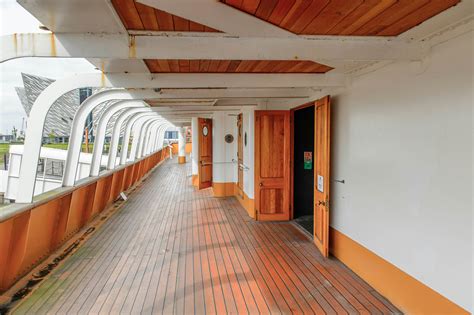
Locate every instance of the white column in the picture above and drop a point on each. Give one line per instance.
(194, 148)
(249, 153)
(224, 155)
(181, 145)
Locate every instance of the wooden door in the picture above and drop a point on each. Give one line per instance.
(321, 174)
(240, 157)
(205, 153)
(272, 165)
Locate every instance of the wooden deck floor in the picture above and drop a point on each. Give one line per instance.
(172, 249)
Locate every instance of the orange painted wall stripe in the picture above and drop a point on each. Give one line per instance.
(223, 189)
(231, 189)
(408, 294)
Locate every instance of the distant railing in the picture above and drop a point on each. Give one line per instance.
(29, 233)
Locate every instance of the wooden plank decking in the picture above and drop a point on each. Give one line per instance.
(172, 249)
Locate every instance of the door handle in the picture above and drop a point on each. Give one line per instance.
(261, 184)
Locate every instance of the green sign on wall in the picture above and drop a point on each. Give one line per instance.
(308, 160)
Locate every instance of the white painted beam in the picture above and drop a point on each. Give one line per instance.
(249, 93)
(75, 15)
(330, 50)
(224, 80)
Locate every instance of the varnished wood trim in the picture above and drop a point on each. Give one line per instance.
(235, 66)
(408, 294)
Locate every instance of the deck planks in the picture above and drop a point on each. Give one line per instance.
(171, 249)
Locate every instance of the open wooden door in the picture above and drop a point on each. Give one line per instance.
(321, 174)
(240, 157)
(272, 165)
(205, 153)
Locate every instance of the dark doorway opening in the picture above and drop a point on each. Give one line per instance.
(303, 168)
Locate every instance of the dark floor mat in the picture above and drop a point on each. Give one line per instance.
(306, 222)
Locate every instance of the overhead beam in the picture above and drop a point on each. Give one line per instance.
(225, 80)
(219, 16)
(329, 50)
(240, 93)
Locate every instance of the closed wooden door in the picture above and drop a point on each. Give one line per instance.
(321, 174)
(272, 165)
(240, 157)
(205, 153)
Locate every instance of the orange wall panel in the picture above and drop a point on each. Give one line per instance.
(6, 229)
(42, 224)
(17, 248)
(59, 236)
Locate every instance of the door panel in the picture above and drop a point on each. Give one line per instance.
(205, 153)
(272, 165)
(321, 174)
(271, 201)
(240, 157)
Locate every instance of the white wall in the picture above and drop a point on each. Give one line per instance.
(248, 121)
(402, 141)
(194, 145)
(224, 170)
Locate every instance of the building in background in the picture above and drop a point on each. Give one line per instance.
(57, 127)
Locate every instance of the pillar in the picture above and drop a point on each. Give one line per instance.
(181, 145)
(194, 150)
(224, 154)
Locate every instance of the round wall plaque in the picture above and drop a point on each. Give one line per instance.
(205, 131)
(229, 138)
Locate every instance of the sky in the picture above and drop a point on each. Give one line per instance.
(15, 19)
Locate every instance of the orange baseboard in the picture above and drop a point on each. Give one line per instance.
(230, 189)
(188, 147)
(408, 294)
(247, 203)
(181, 159)
(194, 180)
(223, 189)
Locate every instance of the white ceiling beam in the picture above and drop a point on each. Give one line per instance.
(226, 93)
(119, 65)
(226, 80)
(330, 50)
(75, 16)
(219, 16)
(204, 81)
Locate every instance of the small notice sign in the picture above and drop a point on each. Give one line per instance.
(308, 160)
(320, 183)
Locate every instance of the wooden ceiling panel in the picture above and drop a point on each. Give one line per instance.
(344, 17)
(139, 17)
(234, 66)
